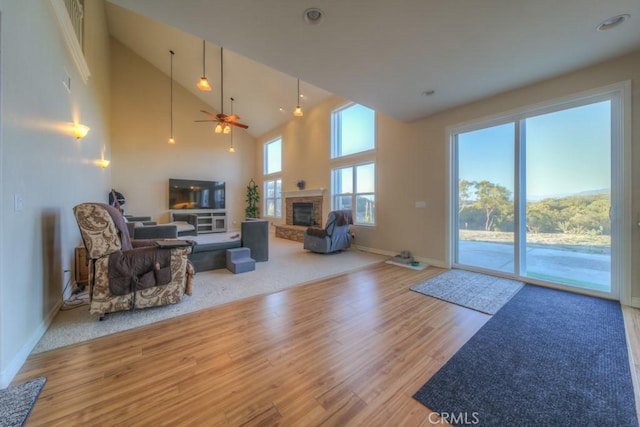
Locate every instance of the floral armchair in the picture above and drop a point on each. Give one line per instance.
(127, 274)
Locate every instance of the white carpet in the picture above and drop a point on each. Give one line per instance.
(289, 265)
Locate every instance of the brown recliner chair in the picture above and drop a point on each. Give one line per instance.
(127, 274)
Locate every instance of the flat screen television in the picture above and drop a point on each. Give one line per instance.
(196, 194)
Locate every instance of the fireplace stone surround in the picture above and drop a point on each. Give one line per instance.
(296, 232)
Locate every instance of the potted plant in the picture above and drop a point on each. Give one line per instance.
(253, 197)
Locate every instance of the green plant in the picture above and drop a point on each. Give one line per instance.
(253, 197)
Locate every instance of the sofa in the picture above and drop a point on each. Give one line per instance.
(128, 274)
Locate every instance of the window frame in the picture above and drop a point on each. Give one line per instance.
(271, 177)
(336, 127)
(354, 193)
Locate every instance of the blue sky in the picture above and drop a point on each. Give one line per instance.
(567, 152)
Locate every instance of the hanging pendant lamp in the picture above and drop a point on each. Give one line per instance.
(203, 84)
(231, 147)
(298, 111)
(171, 140)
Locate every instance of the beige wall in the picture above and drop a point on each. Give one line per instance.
(412, 160)
(44, 164)
(143, 161)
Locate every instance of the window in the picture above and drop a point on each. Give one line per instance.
(273, 156)
(353, 130)
(273, 198)
(353, 187)
(273, 184)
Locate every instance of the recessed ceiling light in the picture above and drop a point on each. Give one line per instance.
(613, 22)
(313, 16)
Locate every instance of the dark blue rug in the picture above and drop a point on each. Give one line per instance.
(547, 358)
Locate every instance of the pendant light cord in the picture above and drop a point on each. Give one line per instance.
(221, 83)
(203, 59)
(171, 92)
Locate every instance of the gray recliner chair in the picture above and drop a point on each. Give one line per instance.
(334, 237)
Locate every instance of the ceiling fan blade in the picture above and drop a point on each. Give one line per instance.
(208, 120)
(240, 125)
(209, 114)
(231, 118)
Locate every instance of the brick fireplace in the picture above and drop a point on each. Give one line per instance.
(296, 232)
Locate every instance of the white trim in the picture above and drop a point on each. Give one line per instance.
(69, 34)
(620, 95)
(429, 261)
(12, 368)
(303, 193)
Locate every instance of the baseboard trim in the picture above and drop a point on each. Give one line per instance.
(12, 369)
(429, 261)
(635, 302)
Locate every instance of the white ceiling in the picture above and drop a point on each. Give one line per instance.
(379, 53)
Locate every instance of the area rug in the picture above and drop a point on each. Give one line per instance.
(16, 402)
(548, 357)
(477, 291)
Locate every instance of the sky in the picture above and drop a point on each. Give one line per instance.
(567, 152)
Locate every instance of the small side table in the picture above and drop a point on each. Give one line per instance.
(81, 266)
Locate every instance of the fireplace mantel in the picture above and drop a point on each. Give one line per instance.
(318, 192)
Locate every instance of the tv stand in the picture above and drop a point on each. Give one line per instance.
(211, 222)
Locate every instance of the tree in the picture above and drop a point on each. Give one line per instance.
(464, 194)
(493, 199)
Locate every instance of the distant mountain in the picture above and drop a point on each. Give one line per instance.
(536, 198)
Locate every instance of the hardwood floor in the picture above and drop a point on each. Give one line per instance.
(346, 350)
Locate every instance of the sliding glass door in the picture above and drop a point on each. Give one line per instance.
(533, 194)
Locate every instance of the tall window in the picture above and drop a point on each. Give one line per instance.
(353, 130)
(273, 182)
(353, 187)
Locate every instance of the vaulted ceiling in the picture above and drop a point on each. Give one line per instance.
(386, 55)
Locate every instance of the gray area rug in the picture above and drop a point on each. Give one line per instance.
(476, 291)
(547, 358)
(16, 402)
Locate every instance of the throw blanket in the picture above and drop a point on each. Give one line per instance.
(137, 269)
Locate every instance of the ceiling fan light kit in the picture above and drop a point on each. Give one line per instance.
(224, 122)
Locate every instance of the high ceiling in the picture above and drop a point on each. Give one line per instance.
(385, 55)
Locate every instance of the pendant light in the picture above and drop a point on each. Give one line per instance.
(171, 140)
(231, 147)
(222, 127)
(203, 84)
(298, 111)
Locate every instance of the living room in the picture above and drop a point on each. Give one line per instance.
(125, 103)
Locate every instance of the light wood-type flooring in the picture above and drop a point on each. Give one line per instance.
(347, 350)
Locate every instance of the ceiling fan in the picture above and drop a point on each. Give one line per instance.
(224, 122)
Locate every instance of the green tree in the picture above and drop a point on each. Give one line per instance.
(493, 199)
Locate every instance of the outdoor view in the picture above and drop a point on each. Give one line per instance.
(565, 227)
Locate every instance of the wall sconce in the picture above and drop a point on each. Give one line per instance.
(102, 163)
(80, 130)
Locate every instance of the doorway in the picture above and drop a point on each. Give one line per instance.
(538, 195)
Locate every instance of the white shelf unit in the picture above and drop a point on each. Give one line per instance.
(212, 222)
